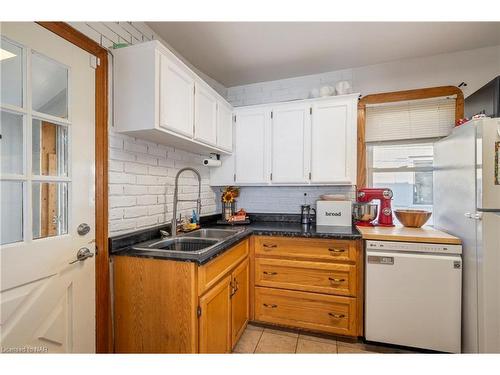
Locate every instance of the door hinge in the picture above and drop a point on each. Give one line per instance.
(198, 311)
(309, 175)
(271, 176)
(94, 61)
(271, 114)
(234, 177)
(310, 110)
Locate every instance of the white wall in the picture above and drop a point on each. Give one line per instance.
(475, 67)
(141, 173)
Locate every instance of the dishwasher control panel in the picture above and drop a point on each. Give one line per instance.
(417, 247)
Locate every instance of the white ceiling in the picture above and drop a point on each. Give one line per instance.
(236, 53)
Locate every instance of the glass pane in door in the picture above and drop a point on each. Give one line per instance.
(11, 214)
(50, 209)
(11, 143)
(11, 68)
(50, 86)
(49, 144)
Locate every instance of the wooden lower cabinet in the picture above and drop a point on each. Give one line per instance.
(311, 284)
(240, 305)
(215, 318)
(158, 306)
(312, 311)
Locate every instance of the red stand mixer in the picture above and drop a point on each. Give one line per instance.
(366, 195)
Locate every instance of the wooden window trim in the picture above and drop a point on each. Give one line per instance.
(104, 338)
(398, 96)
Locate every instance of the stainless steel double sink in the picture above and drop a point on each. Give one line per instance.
(195, 242)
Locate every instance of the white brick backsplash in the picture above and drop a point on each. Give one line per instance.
(136, 168)
(282, 199)
(148, 199)
(135, 212)
(155, 210)
(135, 189)
(115, 189)
(116, 166)
(135, 147)
(142, 180)
(121, 178)
(159, 171)
(122, 201)
(120, 155)
(146, 159)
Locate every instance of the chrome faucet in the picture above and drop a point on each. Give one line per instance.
(173, 228)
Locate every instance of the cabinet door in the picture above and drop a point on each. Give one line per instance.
(252, 132)
(333, 146)
(176, 97)
(215, 318)
(239, 301)
(224, 126)
(291, 141)
(205, 115)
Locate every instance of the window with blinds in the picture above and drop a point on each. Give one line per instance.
(415, 119)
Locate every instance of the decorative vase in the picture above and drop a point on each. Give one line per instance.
(228, 210)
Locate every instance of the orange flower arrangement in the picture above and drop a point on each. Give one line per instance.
(230, 193)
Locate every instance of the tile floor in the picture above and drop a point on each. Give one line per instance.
(259, 339)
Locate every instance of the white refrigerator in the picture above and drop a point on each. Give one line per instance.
(467, 205)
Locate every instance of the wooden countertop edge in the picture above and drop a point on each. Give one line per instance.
(427, 236)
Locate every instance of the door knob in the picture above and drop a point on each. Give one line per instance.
(82, 254)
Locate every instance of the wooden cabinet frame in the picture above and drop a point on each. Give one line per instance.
(398, 96)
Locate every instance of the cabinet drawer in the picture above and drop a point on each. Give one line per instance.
(317, 277)
(317, 312)
(306, 248)
(213, 271)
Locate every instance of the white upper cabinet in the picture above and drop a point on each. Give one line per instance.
(205, 114)
(155, 99)
(333, 141)
(176, 97)
(307, 142)
(224, 126)
(251, 143)
(291, 143)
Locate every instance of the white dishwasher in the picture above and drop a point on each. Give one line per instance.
(413, 294)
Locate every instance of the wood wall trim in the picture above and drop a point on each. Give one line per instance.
(104, 337)
(398, 96)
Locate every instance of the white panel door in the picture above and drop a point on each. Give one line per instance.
(176, 97)
(252, 132)
(47, 300)
(333, 146)
(291, 144)
(205, 115)
(224, 126)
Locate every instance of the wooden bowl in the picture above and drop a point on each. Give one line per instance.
(412, 218)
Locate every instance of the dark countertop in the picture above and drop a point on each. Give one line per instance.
(122, 245)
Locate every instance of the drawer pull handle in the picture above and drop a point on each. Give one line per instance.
(271, 305)
(270, 273)
(336, 316)
(267, 246)
(335, 251)
(332, 279)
